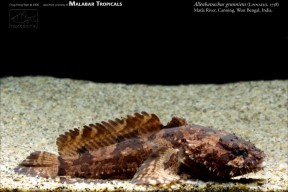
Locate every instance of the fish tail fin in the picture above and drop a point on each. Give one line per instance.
(39, 163)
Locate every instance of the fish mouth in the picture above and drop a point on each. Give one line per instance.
(245, 170)
(261, 164)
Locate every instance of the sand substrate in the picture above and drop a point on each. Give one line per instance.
(35, 110)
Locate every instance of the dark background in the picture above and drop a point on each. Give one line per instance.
(148, 42)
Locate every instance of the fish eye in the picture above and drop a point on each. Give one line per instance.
(183, 140)
(239, 152)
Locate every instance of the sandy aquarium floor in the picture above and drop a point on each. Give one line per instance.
(35, 110)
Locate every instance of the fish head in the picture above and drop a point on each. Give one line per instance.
(219, 154)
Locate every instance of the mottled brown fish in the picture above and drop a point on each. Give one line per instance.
(140, 148)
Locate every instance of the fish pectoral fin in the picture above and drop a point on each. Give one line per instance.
(161, 167)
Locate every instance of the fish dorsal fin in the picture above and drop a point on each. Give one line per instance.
(176, 122)
(103, 134)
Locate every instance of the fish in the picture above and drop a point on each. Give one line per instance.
(140, 148)
(23, 18)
